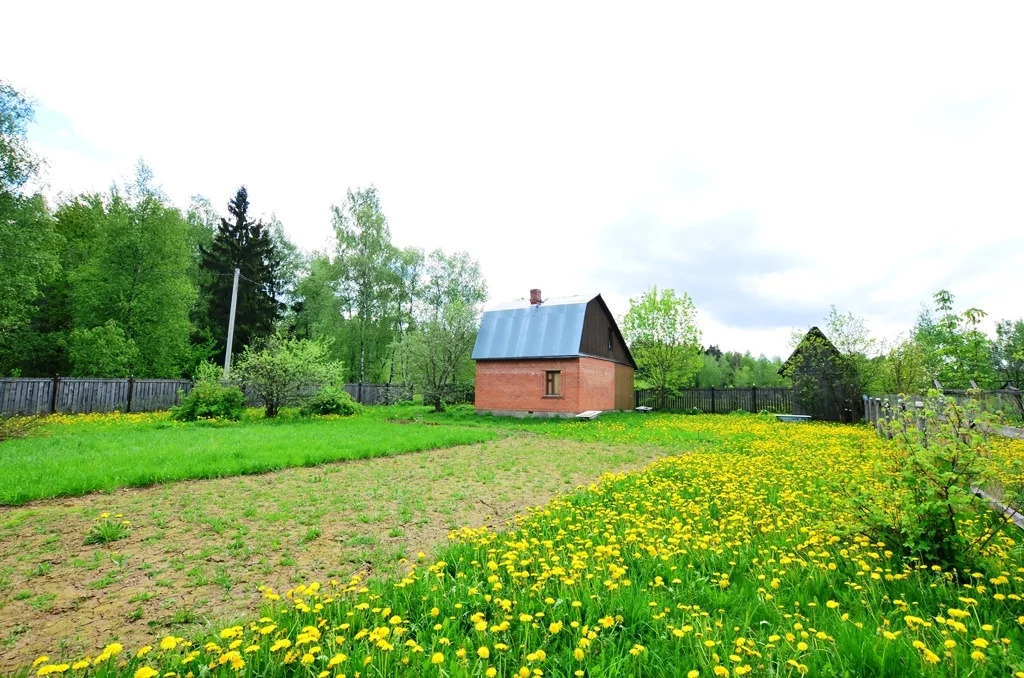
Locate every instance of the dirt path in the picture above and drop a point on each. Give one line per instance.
(197, 550)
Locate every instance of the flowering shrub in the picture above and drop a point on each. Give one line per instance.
(740, 558)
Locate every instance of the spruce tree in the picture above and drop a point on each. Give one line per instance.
(242, 243)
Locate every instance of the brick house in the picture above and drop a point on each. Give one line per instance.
(552, 357)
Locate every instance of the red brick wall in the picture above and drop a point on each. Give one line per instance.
(597, 384)
(518, 385)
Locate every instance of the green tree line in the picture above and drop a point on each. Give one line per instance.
(124, 282)
(945, 346)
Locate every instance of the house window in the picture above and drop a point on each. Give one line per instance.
(611, 338)
(553, 384)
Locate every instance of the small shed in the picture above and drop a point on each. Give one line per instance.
(825, 383)
(552, 357)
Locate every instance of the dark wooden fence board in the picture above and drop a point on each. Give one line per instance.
(29, 396)
(85, 395)
(720, 400)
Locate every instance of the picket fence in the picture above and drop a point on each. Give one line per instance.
(30, 396)
(720, 400)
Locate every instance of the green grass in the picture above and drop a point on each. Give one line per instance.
(73, 457)
(744, 557)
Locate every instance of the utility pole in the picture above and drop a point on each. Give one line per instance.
(231, 327)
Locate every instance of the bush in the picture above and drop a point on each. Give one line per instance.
(210, 400)
(939, 457)
(331, 400)
(277, 372)
(16, 427)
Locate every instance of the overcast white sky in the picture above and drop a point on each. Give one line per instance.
(770, 159)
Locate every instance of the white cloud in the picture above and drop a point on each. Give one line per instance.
(874, 150)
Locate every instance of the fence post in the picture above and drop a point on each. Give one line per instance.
(359, 391)
(922, 422)
(753, 398)
(714, 410)
(131, 392)
(53, 393)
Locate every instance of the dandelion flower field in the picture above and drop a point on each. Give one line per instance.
(736, 556)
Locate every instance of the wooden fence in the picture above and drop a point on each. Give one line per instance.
(379, 394)
(84, 395)
(881, 411)
(1007, 402)
(720, 400)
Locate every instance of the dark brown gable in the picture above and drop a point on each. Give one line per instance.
(598, 328)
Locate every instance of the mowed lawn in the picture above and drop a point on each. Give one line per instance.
(71, 456)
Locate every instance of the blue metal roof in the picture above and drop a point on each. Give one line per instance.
(523, 330)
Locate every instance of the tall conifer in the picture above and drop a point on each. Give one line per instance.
(246, 244)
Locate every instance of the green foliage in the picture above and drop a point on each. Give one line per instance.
(903, 369)
(249, 246)
(436, 354)
(291, 263)
(105, 532)
(282, 369)
(369, 286)
(331, 400)
(17, 162)
(1009, 352)
(128, 262)
(439, 351)
(739, 370)
(210, 400)
(955, 348)
(28, 241)
(383, 310)
(102, 351)
(208, 372)
(28, 257)
(447, 280)
(664, 338)
(939, 456)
